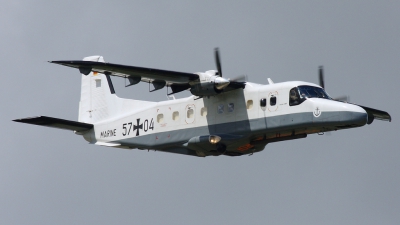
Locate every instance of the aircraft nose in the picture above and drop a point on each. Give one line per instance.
(355, 115)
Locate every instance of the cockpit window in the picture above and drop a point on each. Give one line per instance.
(312, 92)
(294, 97)
(299, 94)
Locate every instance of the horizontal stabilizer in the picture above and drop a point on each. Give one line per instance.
(56, 123)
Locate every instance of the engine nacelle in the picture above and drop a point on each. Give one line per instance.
(212, 86)
(204, 89)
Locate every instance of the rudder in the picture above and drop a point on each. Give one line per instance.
(97, 95)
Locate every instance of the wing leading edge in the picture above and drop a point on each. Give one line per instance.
(376, 114)
(142, 73)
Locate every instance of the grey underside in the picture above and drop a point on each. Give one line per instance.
(244, 131)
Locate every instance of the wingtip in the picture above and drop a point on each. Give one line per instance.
(26, 118)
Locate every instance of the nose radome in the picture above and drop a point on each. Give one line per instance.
(358, 115)
(355, 108)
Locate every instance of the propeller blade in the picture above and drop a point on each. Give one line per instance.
(321, 77)
(241, 78)
(218, 61)
(343, 98)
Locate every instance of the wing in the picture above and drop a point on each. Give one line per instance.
(133, 72)
(56, 123)
(376, 114)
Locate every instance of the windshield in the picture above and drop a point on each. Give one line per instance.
(312, 92)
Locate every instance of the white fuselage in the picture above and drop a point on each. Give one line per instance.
(171, 123)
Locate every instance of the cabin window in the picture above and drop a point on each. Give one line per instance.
(249, 104)
(160, 118)
(175, 116)
(231, 107)
(190, 113)
(263, 102)
(220, 108)
(203, 111)
(272, 101)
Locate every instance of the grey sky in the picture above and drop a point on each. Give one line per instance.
(50, 176)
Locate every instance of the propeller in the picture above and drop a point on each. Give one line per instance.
(218, 61)
(220, 83)
(241, 78)
(321, 77)
(343, 98)
(215, 83)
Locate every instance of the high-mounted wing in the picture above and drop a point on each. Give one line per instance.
(133, 72)
(376, 114)
(208, 83)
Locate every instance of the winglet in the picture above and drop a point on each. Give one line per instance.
(270, 81)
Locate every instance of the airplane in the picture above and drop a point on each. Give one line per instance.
(231, 117)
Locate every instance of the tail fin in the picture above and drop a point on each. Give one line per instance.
(97, 95)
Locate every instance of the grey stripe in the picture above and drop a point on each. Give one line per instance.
(300, 122)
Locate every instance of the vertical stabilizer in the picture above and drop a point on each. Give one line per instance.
(97, 95)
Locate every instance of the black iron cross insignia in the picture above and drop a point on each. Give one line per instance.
(137, 127)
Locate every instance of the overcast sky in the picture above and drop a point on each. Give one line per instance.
(50, 176)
